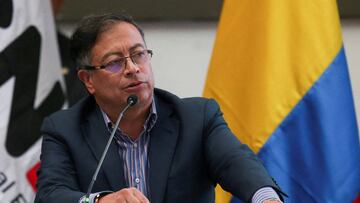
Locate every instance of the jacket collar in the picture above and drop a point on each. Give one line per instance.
(163, 139)
(96, 135)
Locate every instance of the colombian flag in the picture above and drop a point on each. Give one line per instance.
(279, 72)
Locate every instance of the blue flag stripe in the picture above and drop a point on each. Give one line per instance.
(315, 154)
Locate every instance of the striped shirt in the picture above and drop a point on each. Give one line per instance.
(134, 153)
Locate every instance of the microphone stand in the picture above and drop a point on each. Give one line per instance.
(132, 100)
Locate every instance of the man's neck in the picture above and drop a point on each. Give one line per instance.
(133, 119)
(133, 123)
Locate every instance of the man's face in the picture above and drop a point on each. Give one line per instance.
(122, 39)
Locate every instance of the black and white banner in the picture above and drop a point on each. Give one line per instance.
(31, 87)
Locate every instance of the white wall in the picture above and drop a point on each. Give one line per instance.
(351, 37)
(182, 53)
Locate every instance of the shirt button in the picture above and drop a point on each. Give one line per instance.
(137, 180)
(135, 145)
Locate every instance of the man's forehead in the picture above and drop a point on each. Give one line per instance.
(120, 40)
(121, 53)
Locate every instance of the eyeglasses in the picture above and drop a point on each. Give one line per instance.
(138, 58)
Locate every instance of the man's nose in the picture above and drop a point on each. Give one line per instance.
(131, 67)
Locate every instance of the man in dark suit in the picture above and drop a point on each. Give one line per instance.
(166, 149)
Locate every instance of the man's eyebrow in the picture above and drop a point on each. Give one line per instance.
(137, 45)
(117, 53)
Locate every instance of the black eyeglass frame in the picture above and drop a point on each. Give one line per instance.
(85, 67)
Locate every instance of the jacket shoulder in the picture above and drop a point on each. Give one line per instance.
(189, 102)
(72, 116)
(198, 111)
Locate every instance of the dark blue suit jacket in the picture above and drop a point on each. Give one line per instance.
(191, 150)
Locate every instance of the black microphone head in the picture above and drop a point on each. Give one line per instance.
(132, 100)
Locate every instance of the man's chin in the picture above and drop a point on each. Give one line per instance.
(145, 98)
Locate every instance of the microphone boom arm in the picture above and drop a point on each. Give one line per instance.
(132, 100)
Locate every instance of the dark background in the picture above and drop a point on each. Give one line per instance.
(168, 10)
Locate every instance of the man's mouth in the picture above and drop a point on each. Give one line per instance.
(133, 85)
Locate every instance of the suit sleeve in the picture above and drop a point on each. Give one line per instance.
(233, 165)
(57, 181)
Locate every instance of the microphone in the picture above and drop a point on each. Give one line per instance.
(131, 101)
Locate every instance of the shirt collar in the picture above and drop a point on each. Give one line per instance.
(150, 120)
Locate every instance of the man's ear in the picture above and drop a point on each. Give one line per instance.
(85, 77)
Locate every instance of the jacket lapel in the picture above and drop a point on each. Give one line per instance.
(162, 147)
(96, 135)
